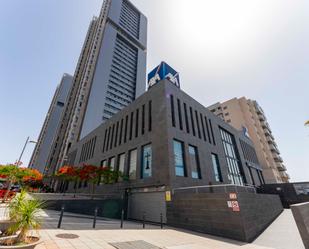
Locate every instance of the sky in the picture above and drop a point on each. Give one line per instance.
(222, 49)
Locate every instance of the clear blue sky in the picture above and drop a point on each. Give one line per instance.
(222, 49)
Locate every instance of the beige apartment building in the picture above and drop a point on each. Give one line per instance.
(247, 116)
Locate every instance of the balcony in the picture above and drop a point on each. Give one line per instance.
(265, 126)
(281, 167)
(270, 140)
(278, 159)
(261, 117)
(268, 134)
(285, 176)
(274, 148)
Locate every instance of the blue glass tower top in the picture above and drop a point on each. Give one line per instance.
(163, 71)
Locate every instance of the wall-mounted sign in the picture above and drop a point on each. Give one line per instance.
(235, 206)
(233, 196)
(168, 196)
(163, 71)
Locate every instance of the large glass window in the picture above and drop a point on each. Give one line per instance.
(194, 162)
(132, 164)
(180, 168)
(234, 173)
(216, 167)
(111, 163)
(121, 163)
(146, 161)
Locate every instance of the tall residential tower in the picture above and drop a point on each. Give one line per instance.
(51, 125)
(110, 74)
(246, 115)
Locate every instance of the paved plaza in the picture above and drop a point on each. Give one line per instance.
(76, 232)
(108, 232)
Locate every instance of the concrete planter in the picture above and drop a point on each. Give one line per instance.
(27, 246)
(5, 224)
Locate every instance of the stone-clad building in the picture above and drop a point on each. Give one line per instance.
(165, 140)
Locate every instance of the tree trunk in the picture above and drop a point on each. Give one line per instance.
(75, 188)
(93, 190)
(7, 191)
(22, 236)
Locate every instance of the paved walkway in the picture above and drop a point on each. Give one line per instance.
(282, 233)
(108, 231)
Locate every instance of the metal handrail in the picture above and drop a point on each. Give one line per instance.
(217, 185)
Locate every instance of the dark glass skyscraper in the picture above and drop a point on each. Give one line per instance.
(110, 74)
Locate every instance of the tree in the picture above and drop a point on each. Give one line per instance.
(90, 173)
(25, 214)
(15, 174)
(68, 173)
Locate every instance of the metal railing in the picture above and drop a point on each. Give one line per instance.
(219, 188)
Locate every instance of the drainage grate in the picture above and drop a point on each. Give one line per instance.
(137, 244)
(67, 236)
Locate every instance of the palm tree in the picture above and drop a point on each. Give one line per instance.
(25, 213)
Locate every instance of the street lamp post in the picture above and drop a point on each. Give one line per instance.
(23, 150)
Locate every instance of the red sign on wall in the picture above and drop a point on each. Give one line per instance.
(235, 206)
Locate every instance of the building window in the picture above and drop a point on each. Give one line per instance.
(179, 114)
(132, 164)
(203, 127)
(112, 138)
(192, 121)
(179, 158)
(131, 126)
(198, 125)
(212, 133)
(146, 161)
(107, 142)
(126, 129)
(172, 110)
(149, 116)
(116, 136)
(186, 117)
(143, 119)
(194, 162)
(120, 133)
(111, 163)
(251, 175)
(207, 128)
(103, 163)
(231, 154)
(121, 164)
(216, 167)
(136, 123)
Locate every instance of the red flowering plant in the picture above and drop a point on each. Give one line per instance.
(90, 173)
(69, 174)
(15, 174)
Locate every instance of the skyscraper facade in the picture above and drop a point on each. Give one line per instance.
(110, 74)
(247, 116)
(51, 124)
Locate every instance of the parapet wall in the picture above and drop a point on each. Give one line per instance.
(241, 216)
(301, 216)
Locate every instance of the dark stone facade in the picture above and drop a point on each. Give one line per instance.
(287, 192)
(110, 208)
(209, 213)
(151, 119)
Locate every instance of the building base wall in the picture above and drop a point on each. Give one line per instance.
(210, 213)
(301, 216)
(289, 193)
